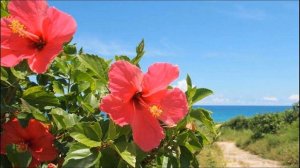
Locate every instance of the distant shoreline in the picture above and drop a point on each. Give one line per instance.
(222, 113)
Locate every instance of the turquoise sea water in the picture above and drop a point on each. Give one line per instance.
(224, 113)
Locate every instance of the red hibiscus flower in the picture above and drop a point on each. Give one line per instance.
(35, 138)
(141, 100)
(35, 32)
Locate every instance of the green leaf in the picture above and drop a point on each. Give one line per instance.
(112, 131)
(37, 114)
(4, 11)
(58, 88)
(200, 94)
(18, 158)
(36, 95)
(188, 81)
(87, 133)
(4, 74)
(126, 151)
(92, 100)
(193, 144)
(122, 57)
(61, 65)
(139, 53)
(87, 107)
(18, 74)
(70, 49)
(182, 138)
(82, 76)
(80, 155)
(185, 157)
(96, 64)
(203, 116)
(62, 119)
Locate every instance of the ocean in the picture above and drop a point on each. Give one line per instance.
(224, 113)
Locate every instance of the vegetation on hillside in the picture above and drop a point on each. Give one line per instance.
(273, 135)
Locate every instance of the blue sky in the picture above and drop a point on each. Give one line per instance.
(246, 52)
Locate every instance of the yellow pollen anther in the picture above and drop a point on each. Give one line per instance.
(155, 111)
(17, 27)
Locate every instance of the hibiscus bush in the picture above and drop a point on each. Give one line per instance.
(63, 107)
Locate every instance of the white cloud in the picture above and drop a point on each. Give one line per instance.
(181, 84)
(294, 97)
(220, 100)
(271, 98)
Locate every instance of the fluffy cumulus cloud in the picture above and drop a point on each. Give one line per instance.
(271, 98)
(294, 97)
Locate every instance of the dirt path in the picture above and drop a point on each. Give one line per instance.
(236, 157)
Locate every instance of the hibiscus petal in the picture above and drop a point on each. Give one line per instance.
(13, 133)
(43, 149)
(147, 133)
(36, 129)
(30, 13)
(8, 59)
(124, 80)
(174, 106)
(158, 77)
(58, 26)
(120, 112)
(34, 163)
(13, 47)
(41, 61)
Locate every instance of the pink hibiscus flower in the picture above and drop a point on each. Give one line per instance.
(141, 100)
(35, 32)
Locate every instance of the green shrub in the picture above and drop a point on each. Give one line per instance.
(239, 122)
(291, 115)
(265, 124)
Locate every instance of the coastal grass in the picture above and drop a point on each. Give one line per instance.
(282, 146)
(211, 156)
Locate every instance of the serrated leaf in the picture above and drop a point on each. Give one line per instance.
(96, 64)
(80, 155)
(62, 119)
(122, 57)
(81, 76)
(37, 114)
(87, 133)
(36, 95)
(126, 151)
